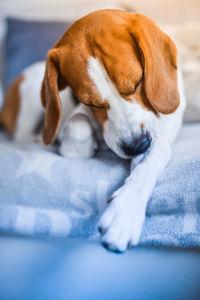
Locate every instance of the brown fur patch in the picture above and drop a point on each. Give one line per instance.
(10, 110)
(101, 115)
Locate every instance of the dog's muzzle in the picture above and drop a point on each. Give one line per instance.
(135, 146)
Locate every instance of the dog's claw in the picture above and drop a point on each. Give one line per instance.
(110, 199)
(109, 247)
(129, 245)
(101, 230)
(105, 245)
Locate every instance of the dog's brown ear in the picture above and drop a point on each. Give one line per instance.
(50, 97)
(159, 59)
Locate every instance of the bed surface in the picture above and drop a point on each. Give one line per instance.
(45, 194)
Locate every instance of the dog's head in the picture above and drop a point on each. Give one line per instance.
(122, 66)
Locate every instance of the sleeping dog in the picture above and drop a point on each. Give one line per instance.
(123, 70)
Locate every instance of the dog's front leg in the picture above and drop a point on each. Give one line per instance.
(122, 222)
(76, 134)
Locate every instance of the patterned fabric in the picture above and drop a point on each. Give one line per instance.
(42, 193)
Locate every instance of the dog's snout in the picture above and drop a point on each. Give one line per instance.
(137, 145)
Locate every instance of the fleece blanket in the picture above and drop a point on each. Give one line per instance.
(42, 193)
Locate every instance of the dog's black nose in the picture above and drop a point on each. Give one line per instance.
(137, 145)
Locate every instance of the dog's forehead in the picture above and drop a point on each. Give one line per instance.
(105, 36)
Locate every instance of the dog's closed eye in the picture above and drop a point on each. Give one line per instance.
(99, 106)
(95, 106)
(137, 84)
(131, 91)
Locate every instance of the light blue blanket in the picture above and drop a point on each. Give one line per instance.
(42, 193)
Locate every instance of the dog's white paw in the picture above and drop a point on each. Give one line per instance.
(121, 224)
(77, 138)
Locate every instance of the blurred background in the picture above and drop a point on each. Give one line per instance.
(161, 10)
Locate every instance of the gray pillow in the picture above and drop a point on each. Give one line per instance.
(27, 42)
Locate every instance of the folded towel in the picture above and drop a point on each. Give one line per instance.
(42, 193)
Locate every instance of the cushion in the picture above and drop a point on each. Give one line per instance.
(43, 193)
(28, 42)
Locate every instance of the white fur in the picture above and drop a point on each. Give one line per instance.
(30, 104)
(121, 223)
(76, 134)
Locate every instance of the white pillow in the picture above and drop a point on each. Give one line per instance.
(187, 39)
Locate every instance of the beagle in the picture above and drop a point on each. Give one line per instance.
(123, 70)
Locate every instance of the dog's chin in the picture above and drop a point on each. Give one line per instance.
(116, 149)
(136, 157)
(120, 153)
